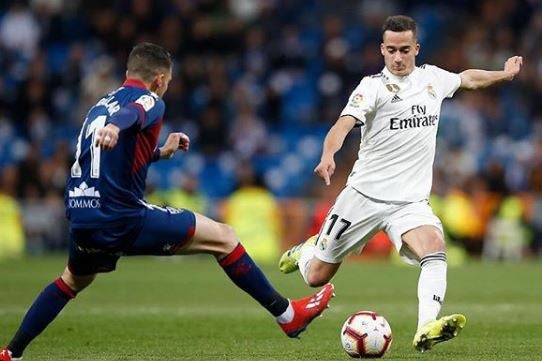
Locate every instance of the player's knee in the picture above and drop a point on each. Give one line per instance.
(426, 240)
(77, 283)
(436, 243)
(228, 238)
(433, 245)
(317, 279)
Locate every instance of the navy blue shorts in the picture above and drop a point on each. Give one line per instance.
(161, 232)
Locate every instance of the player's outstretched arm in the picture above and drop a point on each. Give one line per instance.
(333, 142)
(174, 142)
(476, 78)
(108, 136)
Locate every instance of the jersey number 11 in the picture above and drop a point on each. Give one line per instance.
(95, 151)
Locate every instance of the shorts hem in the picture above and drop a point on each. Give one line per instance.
(102, 270)
(327, 259)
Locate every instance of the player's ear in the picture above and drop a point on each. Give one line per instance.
(158, 80)
(382, 49)
(162, 78)
(417, 48)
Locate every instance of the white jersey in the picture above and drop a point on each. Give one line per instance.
(399, 117)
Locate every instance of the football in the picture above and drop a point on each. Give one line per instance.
(366, 334)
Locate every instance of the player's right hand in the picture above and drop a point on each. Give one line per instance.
(513, 66)
(174, 142)
(107, 137)
(325, 169)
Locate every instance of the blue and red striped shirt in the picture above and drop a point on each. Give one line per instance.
(107, 187)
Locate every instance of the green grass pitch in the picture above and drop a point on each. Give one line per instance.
(187, 309)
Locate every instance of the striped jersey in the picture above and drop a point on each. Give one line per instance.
(107, 187)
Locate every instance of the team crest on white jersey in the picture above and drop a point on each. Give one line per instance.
(322, 243)
(431, 91)
(356, 101)
(394, 88)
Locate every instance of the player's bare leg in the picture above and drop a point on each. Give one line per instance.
(221, 241)
(315, 272)
(77, 283)
(427, 244)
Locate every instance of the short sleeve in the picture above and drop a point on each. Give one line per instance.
(446, 82)
(362, 101)
(151, 109)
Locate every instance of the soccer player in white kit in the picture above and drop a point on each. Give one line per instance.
(398, 111)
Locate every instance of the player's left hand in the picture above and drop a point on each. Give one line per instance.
(513, 65)
(174, 142)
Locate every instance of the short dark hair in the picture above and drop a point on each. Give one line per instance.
(147, 60)
(399, 23)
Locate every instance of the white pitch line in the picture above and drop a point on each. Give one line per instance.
(255, 310)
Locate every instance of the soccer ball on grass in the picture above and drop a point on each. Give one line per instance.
(366, 334)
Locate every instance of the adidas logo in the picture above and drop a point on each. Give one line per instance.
(396, 99)
(315, 301)
(84, 191)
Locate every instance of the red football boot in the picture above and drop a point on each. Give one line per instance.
(306, 309)
(5, 355)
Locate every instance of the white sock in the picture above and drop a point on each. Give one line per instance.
(431, 287)
(304, 263)
(286, 316)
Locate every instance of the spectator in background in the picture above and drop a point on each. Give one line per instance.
(55, 170)
(248, 134)
(153, 194)
(212, 139)
(100, 80)
(254, 213)
(19, 31)
(506, 237)
(29, 182)
(465, 210)
(186, 195)
(12, 242)
(534, 209)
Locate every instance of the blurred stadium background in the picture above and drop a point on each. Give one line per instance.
(257, 83)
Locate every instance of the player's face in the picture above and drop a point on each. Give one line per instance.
(399, 50)
(161, 82)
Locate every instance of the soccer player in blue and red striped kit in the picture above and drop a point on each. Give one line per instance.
(109, 218)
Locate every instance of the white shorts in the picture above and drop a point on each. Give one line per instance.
(354, 219)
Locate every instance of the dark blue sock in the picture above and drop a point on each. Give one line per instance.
(242, 270)
(44, 310)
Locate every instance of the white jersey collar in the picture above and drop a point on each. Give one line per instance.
(400, 79)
